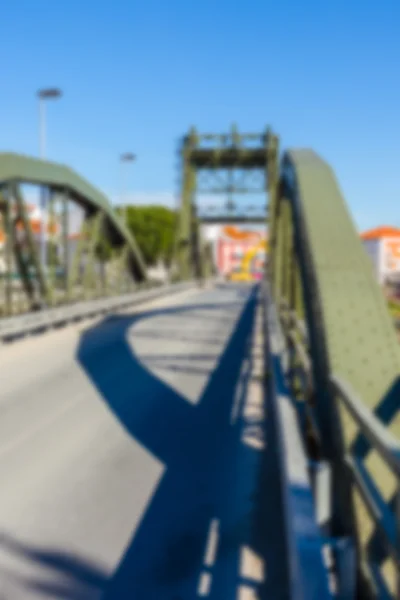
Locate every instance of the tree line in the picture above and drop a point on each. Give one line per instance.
(154, 230)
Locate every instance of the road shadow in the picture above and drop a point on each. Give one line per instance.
(165, 556)
(59, 574)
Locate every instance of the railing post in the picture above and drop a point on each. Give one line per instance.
(397, 525)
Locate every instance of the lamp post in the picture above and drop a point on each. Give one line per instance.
(43, 95)
(125, 159)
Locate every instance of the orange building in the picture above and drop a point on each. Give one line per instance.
(383, 246)
(233, 244)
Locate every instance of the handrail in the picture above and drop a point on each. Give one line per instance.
(382, 440)
(24, 324)
(299, 323)
(300, 527)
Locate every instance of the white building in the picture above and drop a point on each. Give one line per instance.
(383, 246)
(51, 231)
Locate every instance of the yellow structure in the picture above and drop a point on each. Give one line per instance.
(244, 272)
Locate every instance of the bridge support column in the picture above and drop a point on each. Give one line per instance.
(186, 234)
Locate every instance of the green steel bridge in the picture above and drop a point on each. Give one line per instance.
(266, 416)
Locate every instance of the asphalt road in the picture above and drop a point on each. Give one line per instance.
(116, 443)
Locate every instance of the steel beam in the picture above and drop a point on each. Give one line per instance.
(14, 167)
(330, 284)
(247, 153)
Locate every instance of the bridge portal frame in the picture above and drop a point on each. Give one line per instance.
(241, 155)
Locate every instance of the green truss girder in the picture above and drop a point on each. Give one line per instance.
(350, 330)
(44, 288)
(361, 340)
(207, 261)
(185, 232)
(89, 276)
(90, 236)
(24, 169)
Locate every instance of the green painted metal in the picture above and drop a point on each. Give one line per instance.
(120, 270)
(272, 170)
(15, 167)
(33, 261)
(198, 267)
(90, 281)
(65, 244)
(234, 152)
(234, 220)
(52, 263)
(350, 330)
(185, 222)
(9, 247)
(361, 340)
(19, 270)
(207, 260)
(75, 268)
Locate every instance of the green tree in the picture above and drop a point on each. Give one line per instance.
(154, 230)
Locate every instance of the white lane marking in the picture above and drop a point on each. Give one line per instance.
(210, 556)
(204, 587)
(252, 566)
(212, 543)
(245, 592)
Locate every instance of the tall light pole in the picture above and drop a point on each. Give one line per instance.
(125, 159)
(43, 95)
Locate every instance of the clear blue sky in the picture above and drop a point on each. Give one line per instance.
(137, 73)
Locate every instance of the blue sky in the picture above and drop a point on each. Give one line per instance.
(137, 73)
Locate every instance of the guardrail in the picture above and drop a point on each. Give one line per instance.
(386, 519)
(307, 571)
(11, 327)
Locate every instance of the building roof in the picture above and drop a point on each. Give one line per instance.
(378, 233)
(235, 233)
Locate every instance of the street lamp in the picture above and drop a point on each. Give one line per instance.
(126, 158)
(43, 95)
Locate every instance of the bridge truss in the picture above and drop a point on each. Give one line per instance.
(342, 368)
(104, 258)
(227, 164)
(340, 351)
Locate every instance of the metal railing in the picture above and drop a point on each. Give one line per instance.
(308, 570)
(378, 436)
(11, 327)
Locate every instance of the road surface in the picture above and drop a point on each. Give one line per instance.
(130, 454)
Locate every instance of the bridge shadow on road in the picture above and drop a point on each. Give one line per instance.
(195, 443)
(68, 577)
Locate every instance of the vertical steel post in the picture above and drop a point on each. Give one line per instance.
(65, 243)
(9, 241)
(185, 229)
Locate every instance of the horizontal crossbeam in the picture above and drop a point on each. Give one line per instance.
(256, 220)
(239, 158)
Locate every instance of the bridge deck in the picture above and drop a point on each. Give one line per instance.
(140, 459)
(140, 455)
